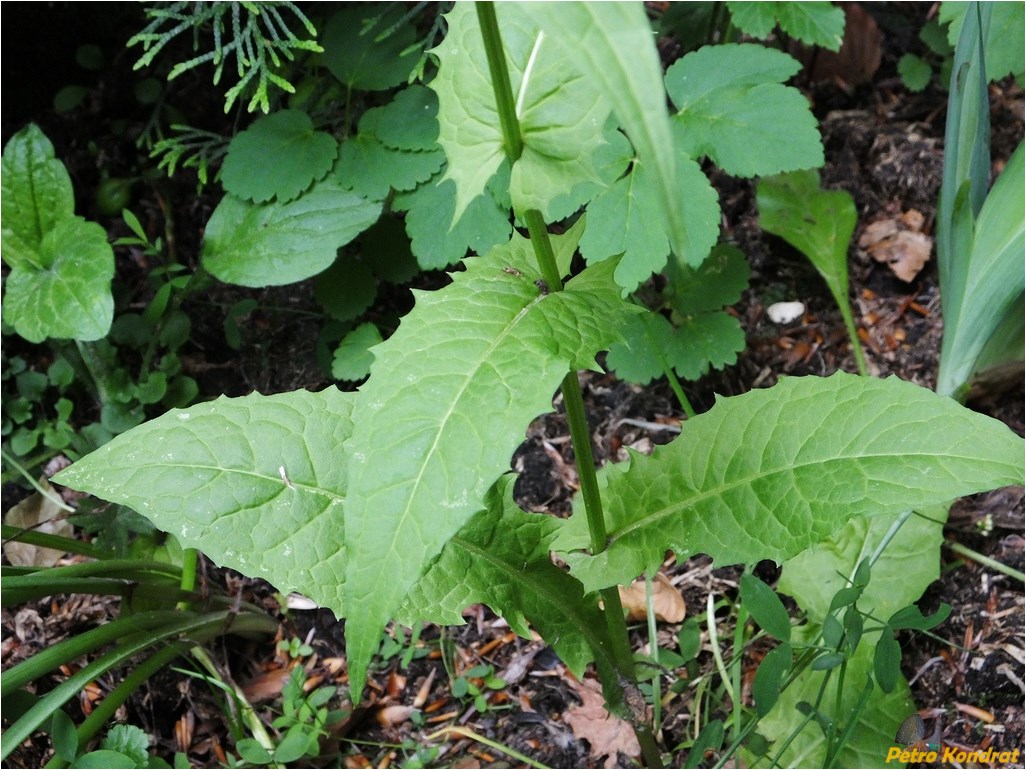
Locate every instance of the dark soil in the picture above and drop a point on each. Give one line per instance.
(883, 144)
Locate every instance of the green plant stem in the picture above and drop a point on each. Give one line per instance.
(35, 484)
(853, 335)
(56, 542)
(616, 626)
(653, 653)
(986, 561)
(735, 665)
(190, 557)
(96, 371)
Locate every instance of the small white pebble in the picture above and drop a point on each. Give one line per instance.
(785, 312)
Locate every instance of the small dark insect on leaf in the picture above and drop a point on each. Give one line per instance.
(511, 271)
(542, 286)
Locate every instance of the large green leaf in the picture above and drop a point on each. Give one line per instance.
(278, 243)
(257, 483)
(68, 298)
(448, 395)
(993, 281)
(612, 44)
(36, 195)
(370, 46)
(501, 558)
(732, 107)
(561, 114)
(769, 473)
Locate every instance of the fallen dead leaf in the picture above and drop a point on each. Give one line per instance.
(899, 243)
(390, 716)
(667, 603)
(40, 513)
(605, 733)
(266, 685)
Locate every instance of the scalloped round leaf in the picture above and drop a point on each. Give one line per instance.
(71, 298)
(732, 108)
(352, 359)
(386, 248)
(819, 24)
(371, 169)
(703, 340)
(410, 121)
(767, 474)
(36, 195)
(483, 224)
(346, 289)
(719, 281)
(640, 357)
(279, 156)
(354, 54)
(273, 244)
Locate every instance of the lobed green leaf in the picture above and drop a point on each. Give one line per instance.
(732, 107)
(278, 243)
(814, 23)
(767, 474)
(448, 394)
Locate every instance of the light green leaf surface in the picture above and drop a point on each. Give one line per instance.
(449, 393)
(408, 122)
(70, 297)
(1005, 40)
(814, 23)
(501, 558)
(915, 72)
(484, 224)
(613, 46)
(355, 55)
(732, 107)
(372, 169)
(353, 358)
(706, 340)
(36, 195)
(279, 243)
(561, 114)
(819, 223)
(993, 278)
(769, 473)
(644, 354)
(257, 483)
(278, 156)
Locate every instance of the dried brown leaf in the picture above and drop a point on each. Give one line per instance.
(667, 602)
(899, 243)
(28, 514)
(605, 733)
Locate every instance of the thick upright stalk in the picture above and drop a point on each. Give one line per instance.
(623, 695)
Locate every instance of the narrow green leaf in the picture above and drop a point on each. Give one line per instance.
(887, 660)
(765, 606)
(912, 617)
(613, 45)
(36, 195)
(769, 473)
(449, 391)
(501, 558)
(769, 677)
(279, 243)
(732, 107)
(711, 738)
(853, 628)
(278, 156)
(833, 631)
(256, 483)
(1004, 42)
(827, 662)
(70, 297)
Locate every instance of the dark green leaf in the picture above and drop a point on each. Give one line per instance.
(769, 677)
(710, 739)
(360, 55)
(887, 660)
(911, 617)
(827, 662)
(765, 606)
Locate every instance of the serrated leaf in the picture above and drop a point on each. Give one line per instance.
(706, 340)
(36, 195)
(732, 108)
(642, 356)
(366, 47)
(279, 156)
(621, 221)
(612, 44)
(501, 558)
(371, 169)
(483, 224)
(1004, 41)
(278, 243)
(719, 281)
(346, 289)
(257, 483)
(408, 122)
(769, 473)
(561, 114)
(814, 23)
(449, 392)
(352, 359)
(69, 296)
(819, 223)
